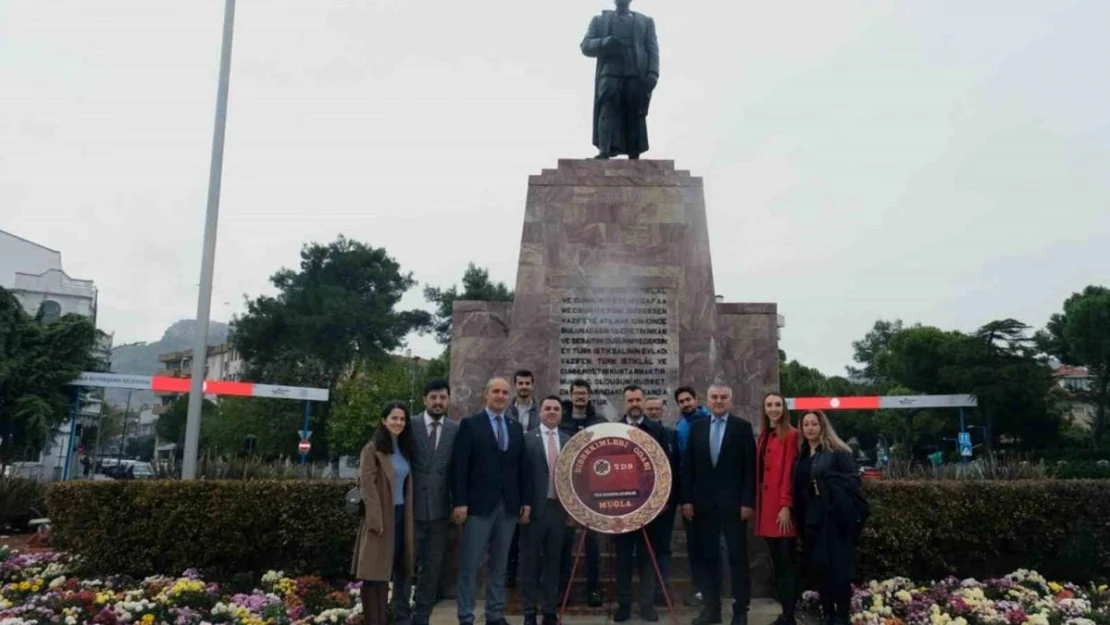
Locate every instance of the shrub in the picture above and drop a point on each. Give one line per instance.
(921, 530)
(21, 499)
(221, 527)
(931, 529)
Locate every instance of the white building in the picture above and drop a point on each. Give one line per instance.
(34, 274)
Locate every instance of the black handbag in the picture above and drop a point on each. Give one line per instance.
(353, 502)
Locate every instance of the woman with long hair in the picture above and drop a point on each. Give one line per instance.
(777, 453)
(830, 510)
(384, 545)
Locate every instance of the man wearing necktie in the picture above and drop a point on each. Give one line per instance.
(434, 436)
(631, 545)
(718, 496)
(541, 540)
(490, 493)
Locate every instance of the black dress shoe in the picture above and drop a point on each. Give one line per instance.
(622, 614)
(694, 600)
(707, 618)
(649, 614)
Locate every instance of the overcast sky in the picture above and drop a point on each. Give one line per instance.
(940, 161)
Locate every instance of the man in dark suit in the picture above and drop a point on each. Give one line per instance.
(631, 545)
(664, 523)
(718, 496)
(542, 538)
(526, 412)
(435, 435)
(579, 414)
(490, 494)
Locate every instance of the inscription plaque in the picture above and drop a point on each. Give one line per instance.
(616, 336)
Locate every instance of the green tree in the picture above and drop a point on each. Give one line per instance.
(867, 350)
(339, 309)
(997, 364)
(171, 425)
(38, 359)
(798, 380)
(360, 398)
(257, 426)
(476, 286)
(1080, 336)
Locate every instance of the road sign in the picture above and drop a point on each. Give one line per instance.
(304, 446)
(113, 380)
(875, 402)
(965, 444)
(291, 392)
(167, 384)
(304, 434)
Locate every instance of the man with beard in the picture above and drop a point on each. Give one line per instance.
(687, 399)
(578, 414)
(524, 411)
(631, 545)
(434, 436)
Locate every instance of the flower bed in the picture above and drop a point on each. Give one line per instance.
(1021, 598)
(38, 589)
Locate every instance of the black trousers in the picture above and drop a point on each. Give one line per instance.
(784, 557)
(709, 525)
(836, 600)
(631, 547)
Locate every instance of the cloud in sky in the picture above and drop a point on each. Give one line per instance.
(936, 161)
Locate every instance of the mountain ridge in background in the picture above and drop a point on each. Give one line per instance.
(142, 358)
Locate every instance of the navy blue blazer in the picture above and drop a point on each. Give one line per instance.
(481, 474)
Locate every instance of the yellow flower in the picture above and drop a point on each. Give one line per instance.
(35, 588)
(1055, 588)
(148, 619)
(1103, 588)
(24, 586)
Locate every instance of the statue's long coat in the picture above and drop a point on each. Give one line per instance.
(646, 50)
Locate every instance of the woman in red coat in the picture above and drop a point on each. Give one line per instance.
(776, 454)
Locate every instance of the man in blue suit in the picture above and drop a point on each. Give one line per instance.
(490, 491)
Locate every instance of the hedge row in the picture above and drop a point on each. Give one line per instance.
(928, 530)
(921, 530)
(224, 528)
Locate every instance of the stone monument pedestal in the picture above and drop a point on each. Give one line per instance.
(615, 286)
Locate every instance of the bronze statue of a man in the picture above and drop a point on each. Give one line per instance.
(627, 53)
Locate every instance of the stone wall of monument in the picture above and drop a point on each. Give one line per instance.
(747, 340)
(615, 282)
(479, 337)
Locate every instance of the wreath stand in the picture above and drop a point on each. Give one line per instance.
(579, 552)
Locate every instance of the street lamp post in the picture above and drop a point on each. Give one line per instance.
(208, 256)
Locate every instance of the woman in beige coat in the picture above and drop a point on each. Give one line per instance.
(384, 545)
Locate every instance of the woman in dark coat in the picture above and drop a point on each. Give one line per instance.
(384, 545)
(830, 511)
